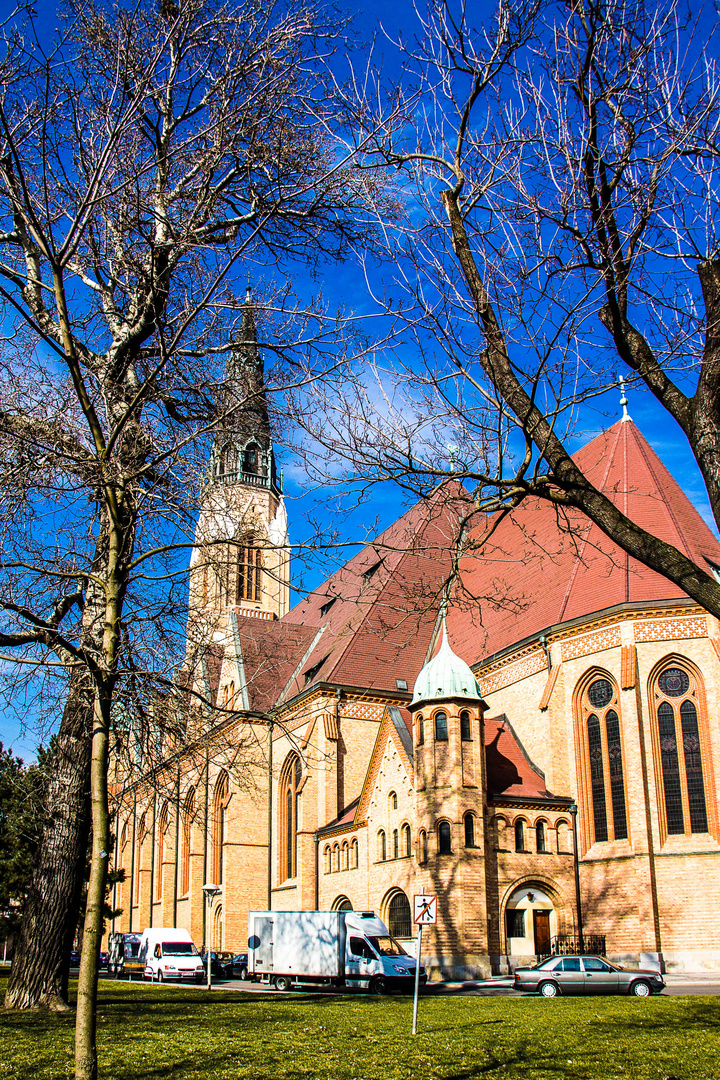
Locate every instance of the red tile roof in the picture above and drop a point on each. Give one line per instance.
(271, 651)
(509, 770)
(380, 626)
(542, 566)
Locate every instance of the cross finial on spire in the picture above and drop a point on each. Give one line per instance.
(623, 399)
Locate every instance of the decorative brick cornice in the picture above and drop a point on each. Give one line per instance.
(689, 626)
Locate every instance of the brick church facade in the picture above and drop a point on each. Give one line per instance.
(536, 743)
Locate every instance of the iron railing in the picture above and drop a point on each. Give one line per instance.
(565, 945)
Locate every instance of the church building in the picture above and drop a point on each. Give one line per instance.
(526, 727)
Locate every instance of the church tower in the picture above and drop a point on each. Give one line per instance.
(241, 559)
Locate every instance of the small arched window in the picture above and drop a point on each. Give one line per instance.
(420, 731)
(423, 846)
(345, 855)
(406, 841)
(465, 726)
(564, 845)
(520, 835)
(336, 857)
(354, 855)
(341, 903)
(396, 844)
(392, 801)
(444, 838)
(441, 727)
(382, 846)
(327, 859)
(290, 784)
(469, 830)
(540, 837)
(399, 916)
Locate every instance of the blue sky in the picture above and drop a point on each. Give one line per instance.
(345, 284)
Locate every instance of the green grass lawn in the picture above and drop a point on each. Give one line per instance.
(155, 1032)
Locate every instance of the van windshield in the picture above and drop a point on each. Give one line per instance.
(179, 948)
(387, 946)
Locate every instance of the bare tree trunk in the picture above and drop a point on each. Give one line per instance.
(86, 1017)
(39, 973)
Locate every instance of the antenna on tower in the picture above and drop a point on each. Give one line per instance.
(623, 399)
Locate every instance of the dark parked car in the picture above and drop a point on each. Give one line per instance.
(239, 967)
(586, 975)
(103, 961)
(219, 966)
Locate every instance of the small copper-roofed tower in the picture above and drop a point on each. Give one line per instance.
(241, 560)
(450, 785)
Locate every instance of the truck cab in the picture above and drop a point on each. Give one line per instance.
(373, 958)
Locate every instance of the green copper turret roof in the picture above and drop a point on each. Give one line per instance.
(445, 676)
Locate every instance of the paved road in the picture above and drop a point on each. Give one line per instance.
(677, 986)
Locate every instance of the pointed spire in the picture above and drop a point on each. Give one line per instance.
(623, 399)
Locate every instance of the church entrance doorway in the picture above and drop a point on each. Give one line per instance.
(530, 922)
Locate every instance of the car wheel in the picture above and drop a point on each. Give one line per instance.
(640, 988)
(282, 982)
(243, 973)
(548, 989)
(379, 985)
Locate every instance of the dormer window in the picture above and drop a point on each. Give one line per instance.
(372, 570)
(312, 671)
(326, 606)
(714, 568)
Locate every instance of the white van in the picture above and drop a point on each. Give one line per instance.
(169, 953)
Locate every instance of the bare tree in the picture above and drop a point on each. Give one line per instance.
(559, 164)
(145, 155)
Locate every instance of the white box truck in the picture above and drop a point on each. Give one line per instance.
(169, 953)
(344, 948)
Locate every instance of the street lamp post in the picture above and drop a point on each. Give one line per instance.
(211, 891)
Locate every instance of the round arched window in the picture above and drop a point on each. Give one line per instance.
(399, 916)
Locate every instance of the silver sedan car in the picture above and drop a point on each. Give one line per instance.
(586, 975)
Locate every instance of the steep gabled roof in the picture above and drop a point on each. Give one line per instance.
(510, 772)
(542, 567)
(379, 610)
(271, 652)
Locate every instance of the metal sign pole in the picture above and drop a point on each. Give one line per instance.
(417, 978)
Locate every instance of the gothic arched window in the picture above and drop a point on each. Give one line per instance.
(249, 571)
(606, 781)
(161, 830)
(251, 460)
(540, 837)
(423, 846)
(217, 840)
(465, 726)
(382, 846)
(290, 815)
(444, 838)
(186, 839)
(406, 842)
(469, 830)
(678, 700)
(441, 728)
(520, 835)
(420, 731)
(354, 855)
